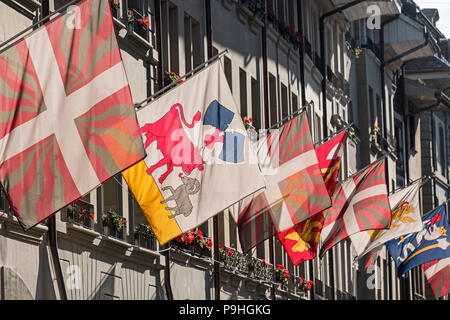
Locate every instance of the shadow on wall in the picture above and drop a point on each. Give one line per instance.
(45, 287)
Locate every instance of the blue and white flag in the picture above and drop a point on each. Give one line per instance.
(429, 244)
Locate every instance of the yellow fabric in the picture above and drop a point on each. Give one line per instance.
(149, 197)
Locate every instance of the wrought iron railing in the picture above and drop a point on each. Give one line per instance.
(255, 6)
(134, 20)
(114, 225)
(80, 213)
(144, 237)
(193, 243)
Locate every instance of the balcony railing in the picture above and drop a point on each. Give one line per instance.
(193, 243)
(135, 21)
(255, 6)
(144, 237)
(114, 225)
(381, 144)
(80, 213)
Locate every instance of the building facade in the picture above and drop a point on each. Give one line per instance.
(349, 63)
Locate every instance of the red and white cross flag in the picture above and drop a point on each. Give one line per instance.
(67, 117)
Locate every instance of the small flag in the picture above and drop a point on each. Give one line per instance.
(429, 244)
(199, 157)
(68, 118)
(300, 242)
(406, 218)
(437, 273)
(295, 190)
(359, 203)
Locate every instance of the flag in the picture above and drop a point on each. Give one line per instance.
(406, 218)
(68, 118)
(300, 242)
(437, 273)
(295, 190)
(360, 203)
(429, 244)
(199, 157)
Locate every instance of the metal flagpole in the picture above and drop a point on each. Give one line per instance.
(44, 20)
(163, 90)
(215, 218)
(51, 222)
(334, 134)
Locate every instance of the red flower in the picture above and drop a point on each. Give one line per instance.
(300, 280)
(210, 243)
(286, 275)
(280, 266)
(263, 260)
(222, 247)
(250, 119)
(230, 253)
(92, 216)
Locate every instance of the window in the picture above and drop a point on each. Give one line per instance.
(317, 128)
(371, 109)
(441, 150)
(273, 100)
(256, 109)
(228, 72)
(379, 119)
(172, 23)
(400, 149)
(243, 92)
(294, 100)
(284, 102)
(138, 9)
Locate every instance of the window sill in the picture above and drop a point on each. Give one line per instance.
(14, 230)
(138, 43)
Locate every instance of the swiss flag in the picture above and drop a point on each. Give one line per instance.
(68, 119)
(300, 242)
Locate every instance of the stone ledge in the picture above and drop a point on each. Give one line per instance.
(14, 230)
(76, 232)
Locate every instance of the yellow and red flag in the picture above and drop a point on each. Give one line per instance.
(300, 242)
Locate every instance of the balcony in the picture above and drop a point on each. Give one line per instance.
(114, 225)
(359, 11)
(144, 237)
(383, 145)
(406, 38)
(193, 243)
(80, 213)
(255, 6)
(135, 24)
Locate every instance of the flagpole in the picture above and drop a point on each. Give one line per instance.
(370, 164)
(44, 20)
(334, 134)
(425, 179)
(216, 265)
(51, 222)
(291, 116)
(161, 91)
